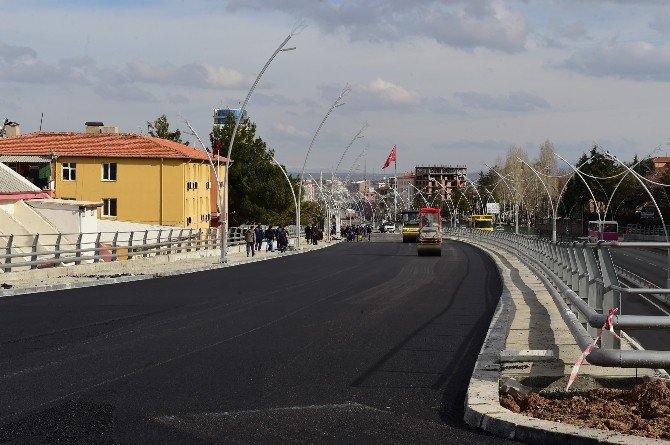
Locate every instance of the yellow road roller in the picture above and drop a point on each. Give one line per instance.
(429, 241)
(410, 226)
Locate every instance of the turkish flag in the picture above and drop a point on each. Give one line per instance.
(217, 148)
(390, 159)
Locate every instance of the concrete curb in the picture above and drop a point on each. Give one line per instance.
(147, 276)
(482, 405)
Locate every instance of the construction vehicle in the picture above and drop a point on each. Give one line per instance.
(410, 226)
(429, 241)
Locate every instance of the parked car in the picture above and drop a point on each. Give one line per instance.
(389, 227)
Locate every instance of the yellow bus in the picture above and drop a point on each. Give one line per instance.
(482, 222)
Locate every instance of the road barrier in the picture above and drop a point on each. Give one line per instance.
(583, 282)
(22, 252)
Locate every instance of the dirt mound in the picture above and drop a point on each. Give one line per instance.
(642, 411)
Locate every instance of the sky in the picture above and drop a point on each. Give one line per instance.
(451, 82)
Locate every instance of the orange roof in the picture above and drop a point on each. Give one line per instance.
(110, 145)
(660, 159)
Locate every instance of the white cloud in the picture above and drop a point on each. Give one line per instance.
(387, 91)
(515, 101)
(457, 23)
(10, 53)
(632, 60)
(200, 75)
(290, 130)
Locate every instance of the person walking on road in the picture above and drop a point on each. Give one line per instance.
(250, 238)
(308, 234)
(270, 238)
(282, 239)
(259, 238)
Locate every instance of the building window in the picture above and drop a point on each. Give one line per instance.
(69, 171)
(109, 171)
(109, 207)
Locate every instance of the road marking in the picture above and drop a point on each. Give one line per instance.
(655, 304)
(276, 409)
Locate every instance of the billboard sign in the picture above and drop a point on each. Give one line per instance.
(493, 208)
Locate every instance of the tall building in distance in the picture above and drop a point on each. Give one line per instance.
(221, 115)
(442, 179)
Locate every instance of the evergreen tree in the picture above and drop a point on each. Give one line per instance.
(161, 129)
(258, 192)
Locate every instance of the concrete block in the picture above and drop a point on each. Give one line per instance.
(526, 355)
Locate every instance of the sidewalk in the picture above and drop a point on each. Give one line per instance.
(529, 341)
(137, 268)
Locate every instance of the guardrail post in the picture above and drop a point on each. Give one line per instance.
(98, 248)
(595, 296)
(115, 249)
(190, 240)
(169, 240)
(583, 279)
(78, 254)
(565, 261)
(574, 273)
(144, 242)
(158, 242)
(130, 245)
(180, 249)
(8, 251)
(33, 257)
(611, 297)
(57, 251)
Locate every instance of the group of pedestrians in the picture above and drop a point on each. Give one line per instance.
(357, 233)
(313, 234)
(254, 238)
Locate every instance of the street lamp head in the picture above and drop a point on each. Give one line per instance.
(288, 49)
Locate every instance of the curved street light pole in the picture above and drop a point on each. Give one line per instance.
(295, 201)
(358, 135)
(658, 209)
(551, 201)
(223, 211)
(337, 103)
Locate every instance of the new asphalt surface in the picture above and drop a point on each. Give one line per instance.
(652, 265)
(357, 343)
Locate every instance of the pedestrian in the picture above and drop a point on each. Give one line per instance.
(259, 238)
(308, 233)
(316, 236)
(270, 238)
(282, 240)
(250, 238)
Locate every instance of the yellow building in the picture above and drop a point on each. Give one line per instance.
(137, 178)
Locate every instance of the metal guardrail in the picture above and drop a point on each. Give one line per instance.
(646, 230)
(37, 251)
(584, 284)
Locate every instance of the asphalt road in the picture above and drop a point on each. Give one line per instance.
(652, 265)
(358, 343)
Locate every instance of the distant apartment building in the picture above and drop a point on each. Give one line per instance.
(310, 190)
(439, 179)
(406, 190)
(138, 178)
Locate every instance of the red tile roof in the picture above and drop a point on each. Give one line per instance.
(125, 145)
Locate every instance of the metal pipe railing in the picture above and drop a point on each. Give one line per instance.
(584, 284)
(112, 246)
